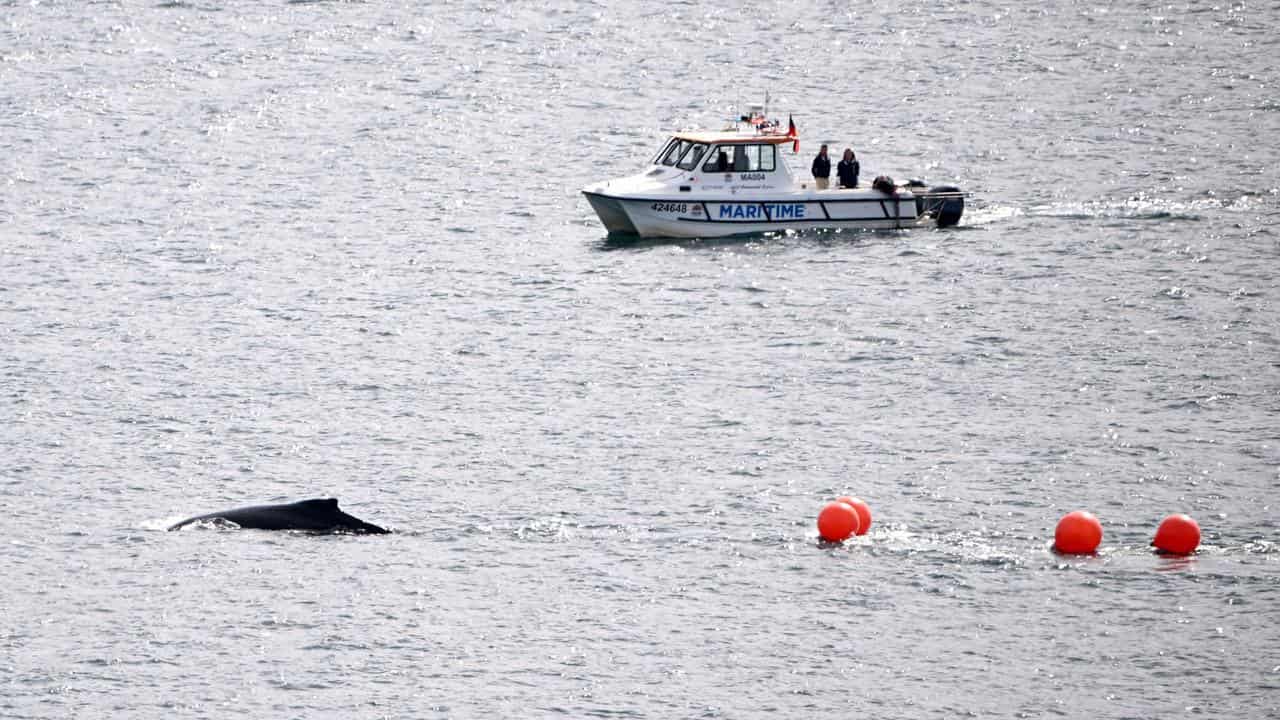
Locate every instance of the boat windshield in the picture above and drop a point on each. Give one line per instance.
(690, 159)
(684, 154)
(666, 146)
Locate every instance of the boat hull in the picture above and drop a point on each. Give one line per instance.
(743, 214)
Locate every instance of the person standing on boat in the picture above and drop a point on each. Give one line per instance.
(822, 169)
(848, 169)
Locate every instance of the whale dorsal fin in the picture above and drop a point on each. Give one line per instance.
(321, 503)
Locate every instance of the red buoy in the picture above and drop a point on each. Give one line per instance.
(1078, 533)
(863, 510)
(1178, 535)
(837, 521)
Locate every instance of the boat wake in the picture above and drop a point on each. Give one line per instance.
(1146, 207)
(1131, 209)
(986, 214)
(1137, 208)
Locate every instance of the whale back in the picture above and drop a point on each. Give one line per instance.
(315, 515)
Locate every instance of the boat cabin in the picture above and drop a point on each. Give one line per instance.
(719, 160)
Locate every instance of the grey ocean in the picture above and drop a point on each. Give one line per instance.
(258, 252)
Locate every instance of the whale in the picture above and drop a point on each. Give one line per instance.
(320, 515)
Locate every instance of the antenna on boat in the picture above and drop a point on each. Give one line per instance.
(766, 103)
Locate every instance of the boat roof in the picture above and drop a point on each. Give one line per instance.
(732, 137)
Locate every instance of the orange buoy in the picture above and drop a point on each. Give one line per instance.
(837, 521)
(863, 510)
(1078, 533)
(1177, 534)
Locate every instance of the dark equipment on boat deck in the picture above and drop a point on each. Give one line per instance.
(884, 184)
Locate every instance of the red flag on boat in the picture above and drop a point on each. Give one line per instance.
(791, 133)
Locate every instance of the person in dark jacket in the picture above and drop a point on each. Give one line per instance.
(848, 169)
(822, 169)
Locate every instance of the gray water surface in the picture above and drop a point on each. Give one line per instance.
(264, 251)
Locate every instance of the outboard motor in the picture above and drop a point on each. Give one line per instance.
(944, 203)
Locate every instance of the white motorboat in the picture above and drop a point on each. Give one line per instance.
(735, 181)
